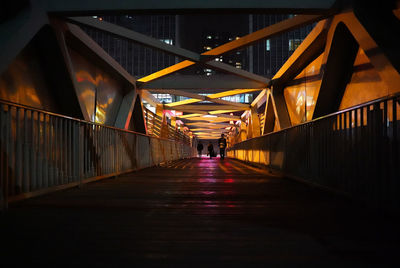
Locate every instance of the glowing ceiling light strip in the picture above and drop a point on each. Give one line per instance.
(189, 115)
(265, 33)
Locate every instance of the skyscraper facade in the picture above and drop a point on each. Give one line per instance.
(199, 33)
(137, 59)
(268, 56)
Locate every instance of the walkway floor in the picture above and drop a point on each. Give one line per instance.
(196, 213)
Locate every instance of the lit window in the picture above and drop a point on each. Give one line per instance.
(294, 44)
(167, 41)
(209, 37)
(217, 59)
(268, 45)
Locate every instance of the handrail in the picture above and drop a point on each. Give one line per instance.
(17, 105)
(354, 151)
(5, 102)
(172, 132)
(42, 151)
(352, 108)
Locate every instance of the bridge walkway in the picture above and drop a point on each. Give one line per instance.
(196, 213)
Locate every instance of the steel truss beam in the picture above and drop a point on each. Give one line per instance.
(191, 57)
(244, 41)
(94, 7)
(193, 82)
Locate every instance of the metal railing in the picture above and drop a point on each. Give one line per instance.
(153, 123)
(42, 152)
(355, 151)
(156, 127)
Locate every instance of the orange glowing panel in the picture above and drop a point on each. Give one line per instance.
(189, 115)
(188, 101)
(231, 93)
(365, 84)
(166, 71)
(301, 98)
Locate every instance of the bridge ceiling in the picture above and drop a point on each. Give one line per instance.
(229, 80)
(89, 7)
(233, 81)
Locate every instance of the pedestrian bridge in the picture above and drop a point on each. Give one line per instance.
(90, 176)
(80, 193)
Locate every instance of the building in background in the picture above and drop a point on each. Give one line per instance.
(199, 33)
(137, 59)
(267, 57)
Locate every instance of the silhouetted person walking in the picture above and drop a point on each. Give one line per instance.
(222, 146)
(210, 149)
(199, 148)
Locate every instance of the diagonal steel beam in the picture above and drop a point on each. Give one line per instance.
(135, 37)
(196, 97)
(215, 96)
(244, 41)
(216, 81)
(147, 96)
(207, 107)
(95, 7)
(192, 57)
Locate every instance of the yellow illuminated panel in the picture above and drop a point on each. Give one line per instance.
(189, 115)
(166, 71)
(365, 85)
(301, 98)
(231, 93)
(188, 101)
(213, 96)
(225, 111)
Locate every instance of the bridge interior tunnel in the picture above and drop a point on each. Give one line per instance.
(99, 163)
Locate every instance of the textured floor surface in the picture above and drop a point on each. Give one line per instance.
(196, 213)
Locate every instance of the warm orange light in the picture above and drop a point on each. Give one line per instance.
(166, 71)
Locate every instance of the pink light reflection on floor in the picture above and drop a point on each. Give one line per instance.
(207, 180)
(208, 192)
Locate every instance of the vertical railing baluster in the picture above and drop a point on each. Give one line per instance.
(45, 156)
(86, 134)
(62, 150)
(69, 151)
(32, 153)
(18, 156)
(3, 159)
(39, 152)
(25, 153)
(396, 152)
(384, 157)
(91, 148)
(57, 151)
(96, 150)
(109, 163)
(81, 152)
(9, 155)
(50, 165)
